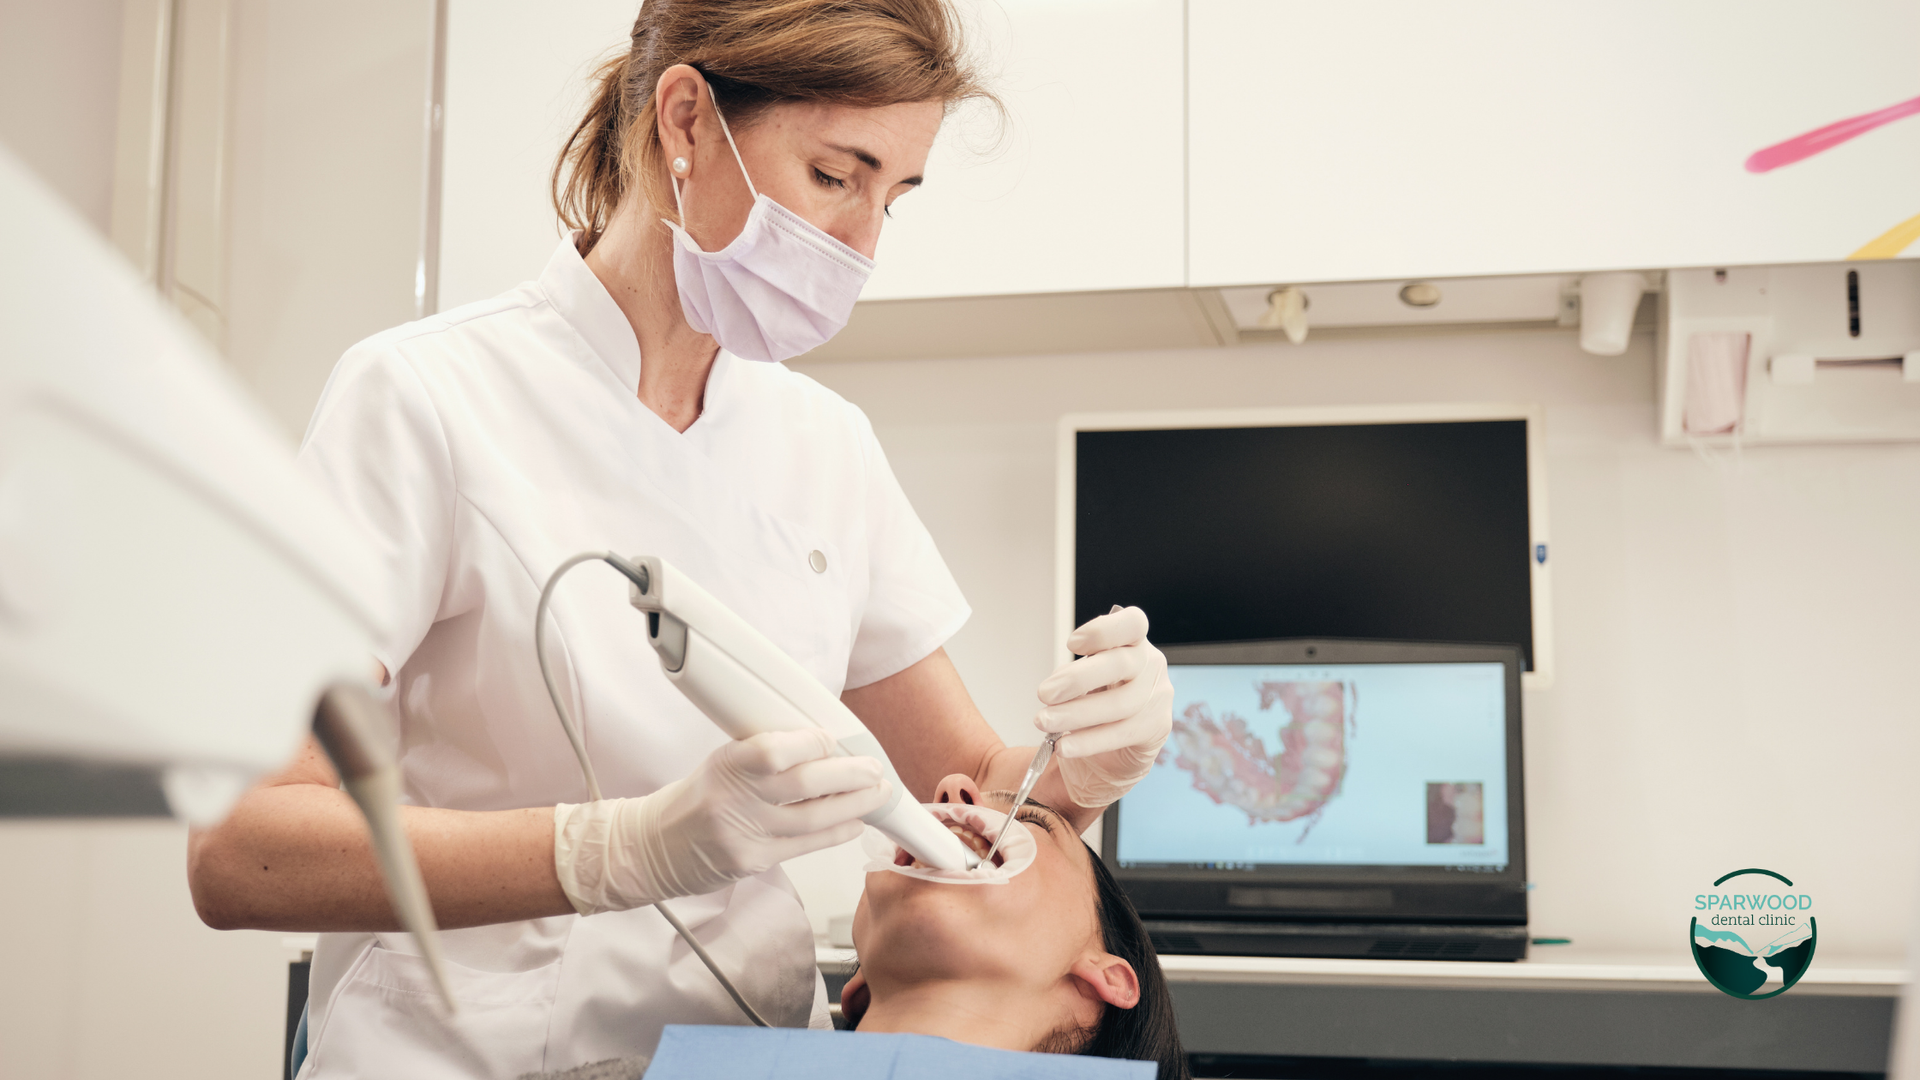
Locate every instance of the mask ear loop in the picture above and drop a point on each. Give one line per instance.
(728, 132)
(678, 205)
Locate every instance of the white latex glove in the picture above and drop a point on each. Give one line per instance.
(750, 806)
(1116, 701)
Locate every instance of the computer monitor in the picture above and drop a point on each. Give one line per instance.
(1398, 523)
(1327, 780)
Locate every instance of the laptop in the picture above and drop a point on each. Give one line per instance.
(1330, 798)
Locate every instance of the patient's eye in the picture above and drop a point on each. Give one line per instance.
(1037, 816)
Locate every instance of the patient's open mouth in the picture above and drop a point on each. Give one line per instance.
(975, 827)
(968, 835)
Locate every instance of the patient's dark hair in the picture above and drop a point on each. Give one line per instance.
(1146, 1032)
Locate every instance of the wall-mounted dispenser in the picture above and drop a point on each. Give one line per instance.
(1826, 352)
(1607, 305)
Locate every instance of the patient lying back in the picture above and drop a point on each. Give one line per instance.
(1054, 960)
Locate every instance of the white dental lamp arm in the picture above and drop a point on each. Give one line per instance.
(746, 685)
(179, 606)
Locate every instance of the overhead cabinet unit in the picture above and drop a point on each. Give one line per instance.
(1080, 190)
(1164, 144)
(1371, 139)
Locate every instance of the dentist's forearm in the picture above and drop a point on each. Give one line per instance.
(294, 856)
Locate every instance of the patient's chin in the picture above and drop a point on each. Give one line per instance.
(915, 942)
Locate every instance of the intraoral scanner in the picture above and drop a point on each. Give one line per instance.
(746, 685)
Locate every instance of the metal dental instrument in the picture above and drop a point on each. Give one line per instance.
(1041, 755)
(1040, 758)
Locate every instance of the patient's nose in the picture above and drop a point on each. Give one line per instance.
(957, 788)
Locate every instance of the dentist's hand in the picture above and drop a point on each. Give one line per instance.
(1117, 703)
(750, 806)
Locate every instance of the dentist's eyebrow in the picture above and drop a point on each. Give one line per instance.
(866, 158)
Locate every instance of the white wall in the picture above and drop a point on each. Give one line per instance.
(109, 974)
(1734, 634)
(329, 151)
(59, 87)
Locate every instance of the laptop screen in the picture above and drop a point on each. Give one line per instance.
(1380, 764)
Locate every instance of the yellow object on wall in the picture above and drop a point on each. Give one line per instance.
(1891, 243)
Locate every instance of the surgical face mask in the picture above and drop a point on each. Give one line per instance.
(779, 289)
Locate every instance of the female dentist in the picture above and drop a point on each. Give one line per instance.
(726, 189)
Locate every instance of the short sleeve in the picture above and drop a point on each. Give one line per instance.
(376, 445)
(913, 603)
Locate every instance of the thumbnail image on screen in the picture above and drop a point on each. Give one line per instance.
(1341, 764)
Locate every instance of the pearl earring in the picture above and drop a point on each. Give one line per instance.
(679, 164)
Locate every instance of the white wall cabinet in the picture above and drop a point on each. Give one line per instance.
(1385, 139)
(1085, 191)
(1161, 143)
(517, 81)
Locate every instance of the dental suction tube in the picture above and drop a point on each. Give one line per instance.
(746, 685)
(347, 725)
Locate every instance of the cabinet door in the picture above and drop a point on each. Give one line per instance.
(1384, 139)
(1081, 191)
(1084, 190)
(518, 79)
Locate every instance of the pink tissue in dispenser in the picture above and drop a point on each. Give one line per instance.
(1716, 382)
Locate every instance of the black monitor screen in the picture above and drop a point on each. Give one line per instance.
(1399, 531)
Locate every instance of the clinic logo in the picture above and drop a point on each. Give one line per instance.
(1753, 934)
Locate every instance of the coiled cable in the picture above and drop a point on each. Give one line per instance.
(637, 575)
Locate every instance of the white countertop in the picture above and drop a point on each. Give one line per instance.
(1549, 967)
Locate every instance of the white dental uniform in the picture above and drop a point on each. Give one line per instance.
(480, 448)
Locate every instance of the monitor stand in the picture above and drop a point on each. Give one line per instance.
(1379, 941)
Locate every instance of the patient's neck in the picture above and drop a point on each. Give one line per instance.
(982, 1013)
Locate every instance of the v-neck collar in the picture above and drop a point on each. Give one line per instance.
(579, 297)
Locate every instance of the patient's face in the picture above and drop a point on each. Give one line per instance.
(1028, 931)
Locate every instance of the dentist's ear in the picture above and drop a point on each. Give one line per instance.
(1109, 978)
(676, 100)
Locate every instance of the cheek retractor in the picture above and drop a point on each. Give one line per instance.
(1017, 851)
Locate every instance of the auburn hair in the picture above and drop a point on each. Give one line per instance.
(754, 54)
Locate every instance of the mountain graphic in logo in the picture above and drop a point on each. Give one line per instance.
(1752, 938)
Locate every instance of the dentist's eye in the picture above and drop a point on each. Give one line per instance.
(828, 179)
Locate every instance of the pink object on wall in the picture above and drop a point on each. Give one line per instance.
(1801, 147)
(1716, 382)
